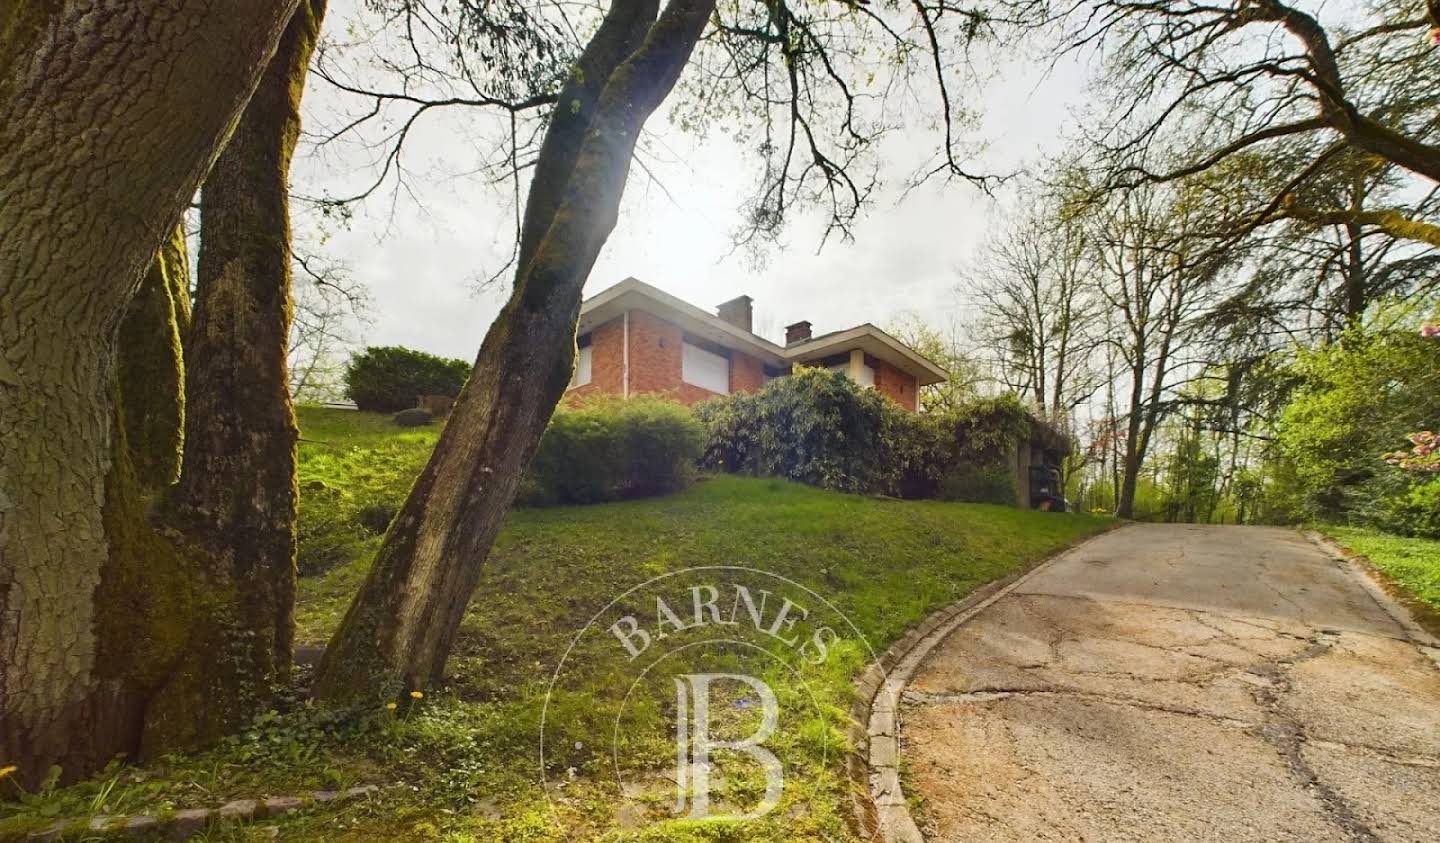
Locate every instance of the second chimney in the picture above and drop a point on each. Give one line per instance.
(737, 312)
(799, 332)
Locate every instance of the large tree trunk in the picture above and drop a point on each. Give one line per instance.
(110, 114)
(398, 632)
(235, 505)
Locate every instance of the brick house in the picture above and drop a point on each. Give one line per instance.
(634, 338)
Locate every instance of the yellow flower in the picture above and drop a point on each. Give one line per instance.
(5, 771)
(415, 695)
(390, 705)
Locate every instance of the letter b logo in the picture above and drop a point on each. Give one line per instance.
(694, 746)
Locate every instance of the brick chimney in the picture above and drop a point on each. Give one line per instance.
(737, 312)
(799, 332)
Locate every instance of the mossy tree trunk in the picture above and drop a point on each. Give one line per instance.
(234, 507)
(102, 144)
(151, 368)
(400, 628)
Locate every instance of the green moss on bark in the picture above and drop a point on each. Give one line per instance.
(152, 367)
(149, 592)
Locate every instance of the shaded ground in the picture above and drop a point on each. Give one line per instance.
(1179, 683)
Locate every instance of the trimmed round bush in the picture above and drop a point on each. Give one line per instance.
(610, 449)
(384, 379)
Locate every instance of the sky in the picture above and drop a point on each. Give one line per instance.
(419, 256)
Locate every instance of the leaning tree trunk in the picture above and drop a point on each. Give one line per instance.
(235, 505)
(103, 140)
(398, 632)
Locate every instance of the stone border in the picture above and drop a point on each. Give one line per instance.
(183, 825)
(877, 800)
(1361, 569)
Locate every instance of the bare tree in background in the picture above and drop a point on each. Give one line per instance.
(1036, 305)
(1155, 273)
(967, 376)
(331, 307)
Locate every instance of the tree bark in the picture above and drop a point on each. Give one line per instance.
(400, 628)
(1130, 470)
(102, 143)
(152, 360)
(1362, 131)
(234, 508)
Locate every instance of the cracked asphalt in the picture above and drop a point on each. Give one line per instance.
(1178, 682)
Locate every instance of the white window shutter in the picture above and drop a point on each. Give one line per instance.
(705, 369)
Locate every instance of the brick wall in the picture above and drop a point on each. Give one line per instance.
(747, 374)
(607, 363)
(656, 362)
(895, 384)
(654, 354)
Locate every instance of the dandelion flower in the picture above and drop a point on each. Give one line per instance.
(5, 771)
(415, 695)
(390, 706)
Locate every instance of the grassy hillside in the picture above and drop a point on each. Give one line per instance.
(1411, 564)
(466, 755)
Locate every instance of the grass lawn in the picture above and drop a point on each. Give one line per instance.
(1413, 565)
(462, 763)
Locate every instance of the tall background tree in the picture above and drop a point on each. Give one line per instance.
(1035, 304)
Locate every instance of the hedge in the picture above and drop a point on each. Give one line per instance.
(388, 378)
(819, 427)
(610, 448)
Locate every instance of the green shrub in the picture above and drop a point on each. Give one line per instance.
(1402, 505)
(992, 483)
(816, 427)
(385, 379)
(610, 448)
(819, 427)
(1358, 400)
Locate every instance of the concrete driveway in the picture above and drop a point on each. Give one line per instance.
(1179, 682)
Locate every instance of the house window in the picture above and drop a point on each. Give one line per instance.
(583, 363)
(705, 369)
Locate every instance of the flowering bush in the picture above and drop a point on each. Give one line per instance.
(1424, 456)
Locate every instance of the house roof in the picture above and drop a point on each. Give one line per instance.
(873, 342)
(634, 293)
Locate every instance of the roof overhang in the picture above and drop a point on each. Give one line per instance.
(634, 294)
(873, 342)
